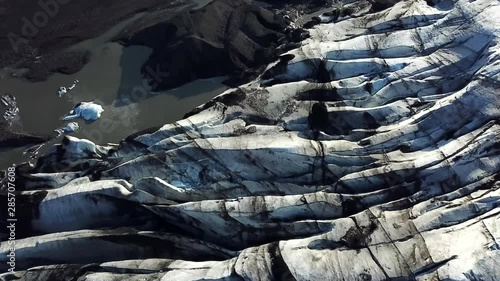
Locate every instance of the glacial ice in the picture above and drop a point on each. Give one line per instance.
(69, 128)
(373, 154)
(86, 110)
(64, 90)
(12, 110)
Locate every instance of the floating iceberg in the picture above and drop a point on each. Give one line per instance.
(87, 110)
(70, 128)
(63, 90)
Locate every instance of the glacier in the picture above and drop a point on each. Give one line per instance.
(370, 152)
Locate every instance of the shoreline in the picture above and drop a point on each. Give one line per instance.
(113, 73)
(121, 66)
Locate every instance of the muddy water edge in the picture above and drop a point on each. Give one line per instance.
(112, 74)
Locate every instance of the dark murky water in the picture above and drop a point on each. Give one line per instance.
(113, 73)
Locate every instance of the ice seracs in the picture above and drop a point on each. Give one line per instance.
(86, 110)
